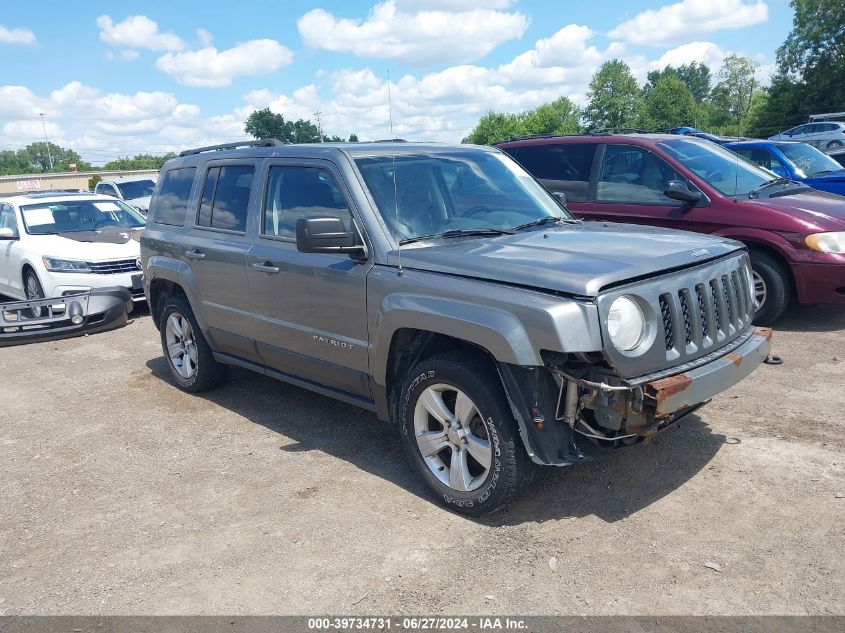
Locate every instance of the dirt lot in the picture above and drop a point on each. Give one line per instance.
(121, 495)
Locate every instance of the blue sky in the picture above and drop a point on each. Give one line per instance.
(151, 76)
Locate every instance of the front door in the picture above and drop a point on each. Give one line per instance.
(309, 309)
(10, 269)
(629, 185)
(216, 251)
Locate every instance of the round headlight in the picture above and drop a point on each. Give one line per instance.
(625, 323)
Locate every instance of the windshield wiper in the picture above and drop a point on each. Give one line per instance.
(769, 183)
(543, 222)
(453, 233)
(822, 172)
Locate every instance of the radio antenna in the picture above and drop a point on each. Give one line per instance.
(393, 158)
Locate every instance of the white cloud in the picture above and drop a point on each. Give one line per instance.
(16, 36)
(205, 37)
(674, 23)
(211, 68)
(137, 31)
(419, 37)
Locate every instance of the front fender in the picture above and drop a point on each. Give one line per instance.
(497, 331)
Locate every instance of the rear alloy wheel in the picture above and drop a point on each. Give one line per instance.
(190, 359)
(834, 145)
(33, 290)
(460, 435)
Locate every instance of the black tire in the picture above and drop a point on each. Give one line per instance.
(510, 465)
(834, 145)
(33, 289)
(207, 373)
(778, 286)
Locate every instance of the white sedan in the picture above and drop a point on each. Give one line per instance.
(59, 244)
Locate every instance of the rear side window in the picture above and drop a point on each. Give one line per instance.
(301, 192)
(225, 198)
(171, 203)
(564, 168)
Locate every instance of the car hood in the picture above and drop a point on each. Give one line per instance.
(90, 246)
(578, 259)
(834, 176)
(816, 210)
(141, 203)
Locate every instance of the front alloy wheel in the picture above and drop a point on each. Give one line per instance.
(452, 437)
(760, 290)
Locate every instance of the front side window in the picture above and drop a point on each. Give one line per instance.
(7, 218)
(75, 216)
(171, 204)
(720, 168)
(225, 197)
(633, 175)
(560, 167)
(763, 158)
(808, 161)
(301, 192)
(426, 193)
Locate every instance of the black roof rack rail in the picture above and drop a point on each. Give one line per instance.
(618, 130)
(389, 140)
(264, 142)
(528, 137)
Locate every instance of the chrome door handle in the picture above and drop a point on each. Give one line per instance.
(194, 255)
(266, 267)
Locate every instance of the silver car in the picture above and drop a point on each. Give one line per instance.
(827, 136)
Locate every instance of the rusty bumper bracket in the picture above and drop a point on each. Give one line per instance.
(681, 391)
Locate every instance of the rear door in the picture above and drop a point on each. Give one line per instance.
(309, 309)
(628, 185)
(215, 249)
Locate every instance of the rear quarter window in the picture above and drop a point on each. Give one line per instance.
(170, 204)
(560, 167)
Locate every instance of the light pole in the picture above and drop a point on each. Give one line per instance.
(46, 142)
(319, 125)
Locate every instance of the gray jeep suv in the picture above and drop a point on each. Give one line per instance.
(446, 290)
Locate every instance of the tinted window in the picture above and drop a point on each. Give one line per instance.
(225, 197)
(301, 192)
(563, 168)
(136, 189)
(761, 157)
(635, 176)
(801, 129)
(171, 203)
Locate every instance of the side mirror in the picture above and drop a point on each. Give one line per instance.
(8, 234)
(325, 235)
(561, 197)
(678, 190)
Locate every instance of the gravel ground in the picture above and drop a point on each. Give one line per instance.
(122, 495)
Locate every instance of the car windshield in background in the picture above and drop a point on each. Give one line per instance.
(808, 160)
(136, 189)
(430, 193)
(720, 168)
(74, 216)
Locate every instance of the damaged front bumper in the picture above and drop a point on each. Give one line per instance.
(39, 320)
(593, 403)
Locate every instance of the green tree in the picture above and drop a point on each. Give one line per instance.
(139, 161)
(268, 124)
(613, 97)
(493, 127)
(561, 116)
(669, 104)
(697, 78)
(353, 138)
(756, 122)
(654, 76)
(736, 86)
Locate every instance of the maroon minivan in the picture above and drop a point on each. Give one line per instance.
(795, 234)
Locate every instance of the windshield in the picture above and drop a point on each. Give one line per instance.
(722, 169)
(808, 161)
(470, 190)
(136, 189)
(73, 216)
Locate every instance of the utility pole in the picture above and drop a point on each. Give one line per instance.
(46, 142)
(319, 125)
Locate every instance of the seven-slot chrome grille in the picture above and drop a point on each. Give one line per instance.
(702, 315)
(114, 266)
